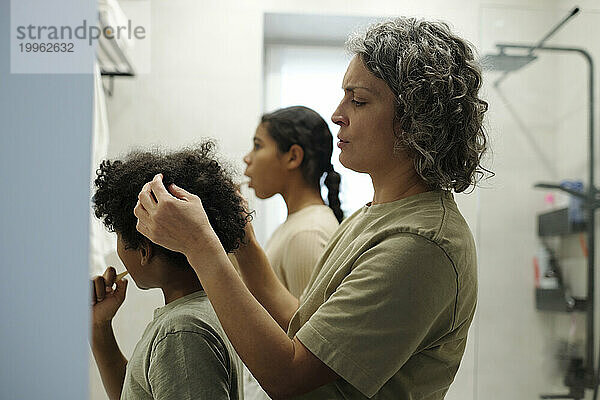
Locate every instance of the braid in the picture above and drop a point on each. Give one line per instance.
(332, 181)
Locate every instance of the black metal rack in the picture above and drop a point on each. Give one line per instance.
(581, 374)
(111, 80)
(552, 224)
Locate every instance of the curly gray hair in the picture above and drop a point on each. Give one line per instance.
(435, 79)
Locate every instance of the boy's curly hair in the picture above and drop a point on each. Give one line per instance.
(196, 170)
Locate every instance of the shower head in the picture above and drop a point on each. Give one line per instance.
(505, 62)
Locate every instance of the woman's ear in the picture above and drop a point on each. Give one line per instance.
(145, 253)
(294, 155)
(399, 147)
(397, 126)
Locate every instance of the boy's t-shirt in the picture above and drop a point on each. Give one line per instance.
(184, 354)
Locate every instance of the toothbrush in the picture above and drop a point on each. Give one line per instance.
(121, 275)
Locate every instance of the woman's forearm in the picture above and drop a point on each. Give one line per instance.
(258, 339)
(260, 279)
(111, 362)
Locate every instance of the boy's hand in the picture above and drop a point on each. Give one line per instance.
(106, 300)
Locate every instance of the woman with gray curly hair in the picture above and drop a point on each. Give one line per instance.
(388, 308)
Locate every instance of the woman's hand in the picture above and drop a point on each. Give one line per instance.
(249, 236)
(106, 300)
(174, 219)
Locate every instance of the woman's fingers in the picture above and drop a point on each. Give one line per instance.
(178, 192)
(153, 192)
(140, 212)
(146, 199)
(141, 228)
(158, 189)
(171, 218)
(145, 202)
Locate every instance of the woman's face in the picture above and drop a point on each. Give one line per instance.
(265, 166)
(366, 119)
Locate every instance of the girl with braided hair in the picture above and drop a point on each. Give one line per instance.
(291, 152)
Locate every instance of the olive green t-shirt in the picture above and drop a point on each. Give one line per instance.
(391, 300)
(184, 354)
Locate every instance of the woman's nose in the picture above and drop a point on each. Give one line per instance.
(340, 119)
(247, 159)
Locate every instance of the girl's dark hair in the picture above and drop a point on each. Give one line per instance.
(306, 128)
(118, 183)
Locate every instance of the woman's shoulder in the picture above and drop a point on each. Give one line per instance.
(428, 217)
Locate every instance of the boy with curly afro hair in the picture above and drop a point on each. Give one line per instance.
(184, 352)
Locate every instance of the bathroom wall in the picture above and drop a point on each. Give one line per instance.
(45, 125)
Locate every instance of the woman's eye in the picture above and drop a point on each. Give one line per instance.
(256, 146)
(358, 103)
